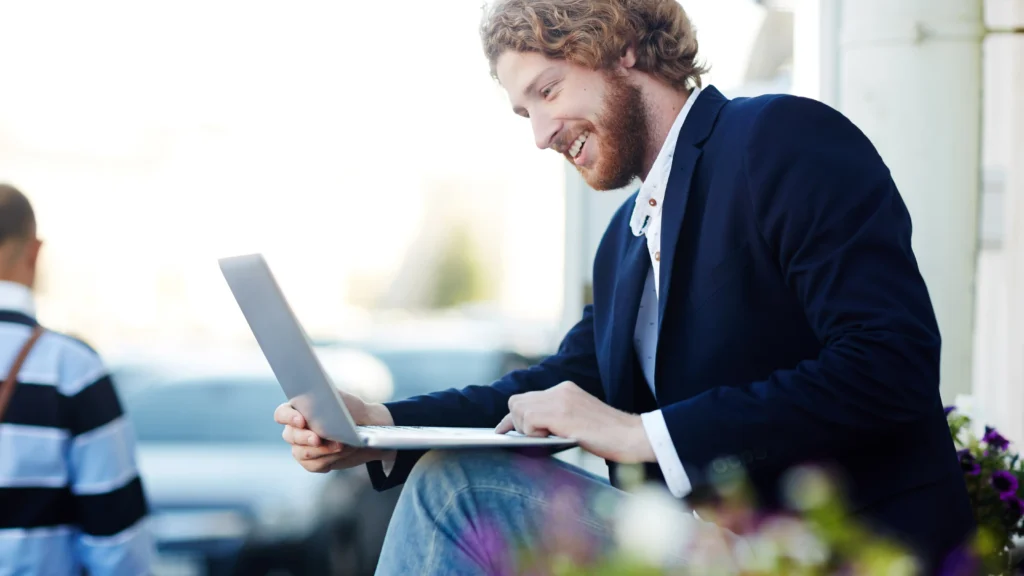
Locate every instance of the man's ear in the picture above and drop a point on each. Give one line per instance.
(628, 58)
(32, 256)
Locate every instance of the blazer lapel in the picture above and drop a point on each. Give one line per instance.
(673, 211)
(629, 286)
(696, 129)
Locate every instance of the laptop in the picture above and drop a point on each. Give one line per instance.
(310, 391)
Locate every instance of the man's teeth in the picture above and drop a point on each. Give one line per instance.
(578, 144)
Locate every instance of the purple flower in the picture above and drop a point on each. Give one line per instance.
(961, 562)
(995, 439)
(967, 463)
(1014, 505)
(488, 542)
(1004, 482)
(949, 409)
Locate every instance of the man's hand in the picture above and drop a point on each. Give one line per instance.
(318, 455)
(568, 411)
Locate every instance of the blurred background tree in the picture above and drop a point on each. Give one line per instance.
(459, 277)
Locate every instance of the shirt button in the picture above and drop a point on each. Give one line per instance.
(652, 202)
(657, 256)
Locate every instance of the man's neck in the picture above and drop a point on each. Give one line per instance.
(665, 104)
(14, 277)
(16, 297)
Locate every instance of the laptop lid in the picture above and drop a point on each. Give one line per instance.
(286, 346)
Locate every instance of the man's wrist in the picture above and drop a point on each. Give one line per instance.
(378, 415)
(640, 444)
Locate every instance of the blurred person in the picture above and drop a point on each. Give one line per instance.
(70, 495)
(757, 305)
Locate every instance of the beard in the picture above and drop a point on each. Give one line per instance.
(622, 139)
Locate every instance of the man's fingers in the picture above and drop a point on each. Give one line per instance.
(317, 452)
(507, 424)
(319, 465)
(524, 398)
(537, 432)
(526, 416)
(285, 414)
(302, 437)
(531, 425)
(335, 456)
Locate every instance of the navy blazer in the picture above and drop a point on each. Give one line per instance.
(795, 325)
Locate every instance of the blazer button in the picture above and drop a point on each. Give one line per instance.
(748, 457)
(657, 256)
(761, 455)
(652, 202)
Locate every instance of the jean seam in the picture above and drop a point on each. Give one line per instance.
(460, 491)
(433, 535)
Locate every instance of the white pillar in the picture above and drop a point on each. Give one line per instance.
(910, 78)
(577, 263)
(816, 50)
(587, 214)
(1012, 394)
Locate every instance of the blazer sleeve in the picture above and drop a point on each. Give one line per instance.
(485, 406)
(828, 211)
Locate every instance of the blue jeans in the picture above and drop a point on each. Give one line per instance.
(496, 512)
(480, 511)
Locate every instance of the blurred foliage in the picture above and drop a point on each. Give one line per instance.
(816, 536)
(459, 277)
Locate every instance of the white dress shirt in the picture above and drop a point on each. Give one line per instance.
(646, 220)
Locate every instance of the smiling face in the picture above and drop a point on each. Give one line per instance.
(596, 119)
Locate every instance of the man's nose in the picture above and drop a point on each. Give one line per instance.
(544, 131)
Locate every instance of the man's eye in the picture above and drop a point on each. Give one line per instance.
(546, 92)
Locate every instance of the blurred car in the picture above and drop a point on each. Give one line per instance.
(225, 494)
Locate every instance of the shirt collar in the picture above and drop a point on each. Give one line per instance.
(16, 297)
(653, 188)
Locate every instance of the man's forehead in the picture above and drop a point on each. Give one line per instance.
(516, 70)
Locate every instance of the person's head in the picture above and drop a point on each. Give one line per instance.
(604, 73)
(19, 246)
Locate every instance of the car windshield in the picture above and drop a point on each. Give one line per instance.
(233, 411)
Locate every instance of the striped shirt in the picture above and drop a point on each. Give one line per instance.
(70, 494)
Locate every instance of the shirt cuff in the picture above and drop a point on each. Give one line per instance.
(665, 451)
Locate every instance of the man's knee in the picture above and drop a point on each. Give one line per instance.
(453, 472)
(460, 469)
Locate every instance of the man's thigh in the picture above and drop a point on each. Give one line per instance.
(535, 494)
(502, 509)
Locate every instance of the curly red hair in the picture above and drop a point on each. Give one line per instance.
(595, 33)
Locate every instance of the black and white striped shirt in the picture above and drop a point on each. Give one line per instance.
(70, 494)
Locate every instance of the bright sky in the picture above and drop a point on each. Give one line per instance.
(154, 138)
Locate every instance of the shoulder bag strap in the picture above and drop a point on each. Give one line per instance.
(7, 388)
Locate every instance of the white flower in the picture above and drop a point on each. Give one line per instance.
(653, 526)
(661, 531)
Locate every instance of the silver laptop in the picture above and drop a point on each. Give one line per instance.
(309, 389)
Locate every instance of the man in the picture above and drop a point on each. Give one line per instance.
(70, 495)
(756, 305)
